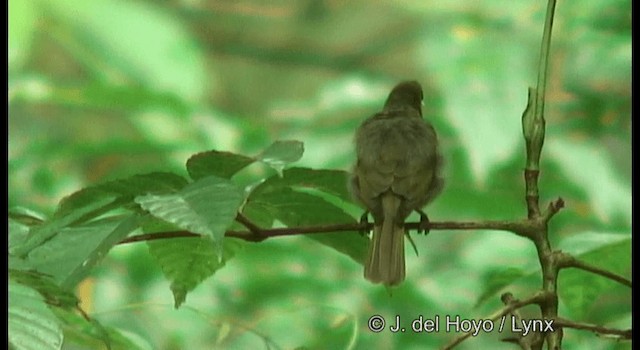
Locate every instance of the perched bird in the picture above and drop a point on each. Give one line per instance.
(397, 171)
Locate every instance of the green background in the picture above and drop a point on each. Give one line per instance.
(103, 89)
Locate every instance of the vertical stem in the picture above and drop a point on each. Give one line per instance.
(533, 127)
(533, 123)
(532, 197)
(544, 62)
(550, 269)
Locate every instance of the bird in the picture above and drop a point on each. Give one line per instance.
(397, 171)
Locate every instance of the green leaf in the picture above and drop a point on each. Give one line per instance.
(41, 233)
(330, 181)
(609, 251)
(157, 182)
(32, 326)
(302, 209)
(587, 243)
(102, 246)
(258, 214)
(207, 206)
(26, 216)
(91, 202)
(152, 224)
(278, 196)
(281, 153)
(186, 262)
(18, 233)
(222, 164)
(71, 254)
(496, 280)
(46, 286)
(581, 290)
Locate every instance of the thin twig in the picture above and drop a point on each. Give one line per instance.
(553, 208)
(257, 234)
(622, 333)
(248, 224)
(537, 298)
(533, 340)
(566, 260)
(159, 235)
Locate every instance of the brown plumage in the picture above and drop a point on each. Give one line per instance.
(397, 171)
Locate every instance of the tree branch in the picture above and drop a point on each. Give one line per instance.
(533, 129)
(257, 234)
(567, 260)
(512, 304)
(600, 330)
(553, 208)
(531, 341)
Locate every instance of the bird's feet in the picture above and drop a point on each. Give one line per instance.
(424, 223)
(364, 221)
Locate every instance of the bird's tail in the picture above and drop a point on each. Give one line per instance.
(385, 261)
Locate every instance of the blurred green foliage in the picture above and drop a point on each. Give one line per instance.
(107, 89)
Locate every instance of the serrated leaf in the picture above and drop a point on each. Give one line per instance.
(46, 286)
(302, 209)
(186, 262)
(102, 247)
(222, 164)
(156, 182)
(207, 206)
(281, 153)
(330, 181)
(152, 224)
(71, 254)
(93, 201)
(42, 233)
(32, 326)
